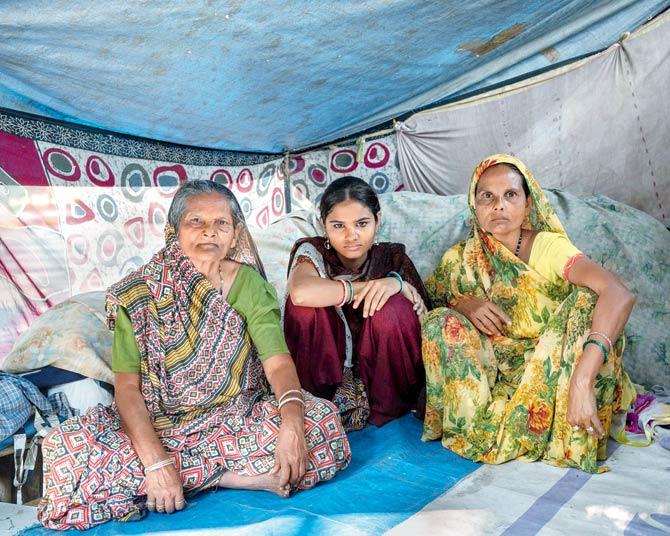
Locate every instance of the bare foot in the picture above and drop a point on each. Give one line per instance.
(267, 482)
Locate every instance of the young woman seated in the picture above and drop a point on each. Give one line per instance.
(352, 311)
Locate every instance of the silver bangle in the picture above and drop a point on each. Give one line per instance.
(159, 465)
(285, 401)
(296, 391)
(609, 341)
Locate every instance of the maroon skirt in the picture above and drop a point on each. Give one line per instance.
(387, 353)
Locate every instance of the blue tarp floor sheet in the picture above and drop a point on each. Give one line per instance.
(392, 475)
(398, 485)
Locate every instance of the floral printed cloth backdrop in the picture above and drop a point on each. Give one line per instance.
(79, 209)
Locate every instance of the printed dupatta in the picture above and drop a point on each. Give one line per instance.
(483, 267)
(198, 362)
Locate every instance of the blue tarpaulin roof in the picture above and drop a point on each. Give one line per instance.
(270, 76)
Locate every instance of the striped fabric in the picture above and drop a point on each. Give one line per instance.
(181, 322)
(17, 398)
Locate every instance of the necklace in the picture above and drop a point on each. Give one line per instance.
(518, 244)
(221, 277)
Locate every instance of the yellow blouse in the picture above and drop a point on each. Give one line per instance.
(550, 255)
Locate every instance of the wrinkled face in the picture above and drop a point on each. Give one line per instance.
(351, 229)
(501, 204)
(206, 232)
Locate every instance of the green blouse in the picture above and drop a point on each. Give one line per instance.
(250, 295)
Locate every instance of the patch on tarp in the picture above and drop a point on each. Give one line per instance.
(479, 48)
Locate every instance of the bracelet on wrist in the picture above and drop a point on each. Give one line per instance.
(599, 345)
(609, 341)
(398, 277)
(159, 465)
(290, 399)
(290, 392)
(351, 291)
(344, 293)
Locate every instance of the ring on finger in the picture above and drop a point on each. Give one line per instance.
(589, 429)
(575, 428)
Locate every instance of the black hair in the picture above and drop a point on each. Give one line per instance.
(346, 188)
(524, 184)
(523, 178)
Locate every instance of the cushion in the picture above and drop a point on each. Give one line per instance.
(71, 335)
(274, 245)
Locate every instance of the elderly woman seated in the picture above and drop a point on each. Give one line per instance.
(525, 359)
(196, 335)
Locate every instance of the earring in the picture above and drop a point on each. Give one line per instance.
(327, 244)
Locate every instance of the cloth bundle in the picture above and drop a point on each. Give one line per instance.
(649, 416)
(18, 397)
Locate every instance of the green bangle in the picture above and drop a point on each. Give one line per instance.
(351, 291)
(599, 345)
(398, 277)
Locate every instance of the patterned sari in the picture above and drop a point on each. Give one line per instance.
(205, 392)
(494, 399)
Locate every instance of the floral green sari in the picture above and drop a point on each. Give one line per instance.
(494, 399)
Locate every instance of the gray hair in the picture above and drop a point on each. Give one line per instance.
(199, 187)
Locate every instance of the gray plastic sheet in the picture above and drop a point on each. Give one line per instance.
(597, 126)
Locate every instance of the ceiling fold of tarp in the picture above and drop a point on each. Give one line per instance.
(274, 76)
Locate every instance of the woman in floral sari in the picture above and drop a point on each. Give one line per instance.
(523, 359)
(197, 339)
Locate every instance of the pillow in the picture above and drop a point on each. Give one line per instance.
(275, 242)
(83, 394)
(426, 224)
(72, 335)
(636, 247)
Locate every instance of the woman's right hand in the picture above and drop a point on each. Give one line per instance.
(375, 294)
(486, 316)
(164, 490)
(413, 296)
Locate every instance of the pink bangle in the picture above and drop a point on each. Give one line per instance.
(344, 292)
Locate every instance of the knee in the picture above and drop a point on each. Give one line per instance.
(398, 310)
(444, 318)
(52, 439)
(323, 414)
(319, 409)
(298, 315)
(58, 441)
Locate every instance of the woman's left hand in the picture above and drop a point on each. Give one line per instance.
(375, 294)
(290, 453)
(582, 407)
(413, 295)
